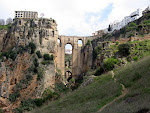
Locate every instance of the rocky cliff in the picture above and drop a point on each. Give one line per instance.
(27, 60)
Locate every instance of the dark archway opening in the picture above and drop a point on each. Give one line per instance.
(68, 61)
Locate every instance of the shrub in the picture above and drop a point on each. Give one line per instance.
(52, 57)
(47, 93)
(35, 62)
(20, 50)
(97, 51)
(47, 57)
(124, 49)
(131, 27)
(32, 46)
(146, 22)
(60, 87)
(29, 77)
(13, 97)
(88, 42)
(99, 71)
(18, 86)
(40, 74)
(117, 42)
(38, 102)
(131, 35)
(132, 24)
(38, 53)
(45, 62)
(135, 58)
(35, 70)
(27, 104)
(13, 55)
(9, 54)
(109, 63)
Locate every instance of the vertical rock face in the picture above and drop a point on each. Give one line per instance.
(43, 32)
(87, 58)
(16, 66)
(2, 35)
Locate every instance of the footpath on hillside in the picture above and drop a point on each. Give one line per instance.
(124, 92)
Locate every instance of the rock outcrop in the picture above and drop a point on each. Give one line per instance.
(23, 74)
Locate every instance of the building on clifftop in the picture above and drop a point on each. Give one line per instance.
(26, 14)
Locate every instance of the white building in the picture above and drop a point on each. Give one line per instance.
(132, 17)
(26, 14)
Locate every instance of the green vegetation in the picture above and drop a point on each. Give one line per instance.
(109, 63)
(87, 100)
(1, 111)
(131, 27)
(136, 78)
(97, 51)
(32, 46)
(117, 42)
(29, 104)
(60, 88)
(35, 62)
(9, 54)
(38, 53)
(88, 42)
(5, 27)
(99, 71)
(47, 57)
(104, 89)
(146, 22)
(40, 74)
(13, 97)
(124, 49)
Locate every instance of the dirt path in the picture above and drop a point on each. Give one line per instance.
(124, 92)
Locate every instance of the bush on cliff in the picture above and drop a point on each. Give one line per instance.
(48, 57)
(109, 63)
(13, 97)
(124, 49)
(38, 53)
(32, 46)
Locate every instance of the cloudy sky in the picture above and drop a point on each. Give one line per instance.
(75, 17)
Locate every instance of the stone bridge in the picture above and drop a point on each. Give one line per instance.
(76, 54)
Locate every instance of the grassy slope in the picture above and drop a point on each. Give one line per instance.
(135, 77)
(87, 100)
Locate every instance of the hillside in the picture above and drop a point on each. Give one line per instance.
(135, 77)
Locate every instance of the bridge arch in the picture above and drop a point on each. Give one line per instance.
(76, 54)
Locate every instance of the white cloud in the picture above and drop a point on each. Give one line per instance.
(70, 14)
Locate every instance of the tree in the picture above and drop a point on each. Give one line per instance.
(109, 28)
(2, 22)
(9, 21)
(32, 46)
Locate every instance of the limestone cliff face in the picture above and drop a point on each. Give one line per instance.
(19, 69)
(2, 35)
